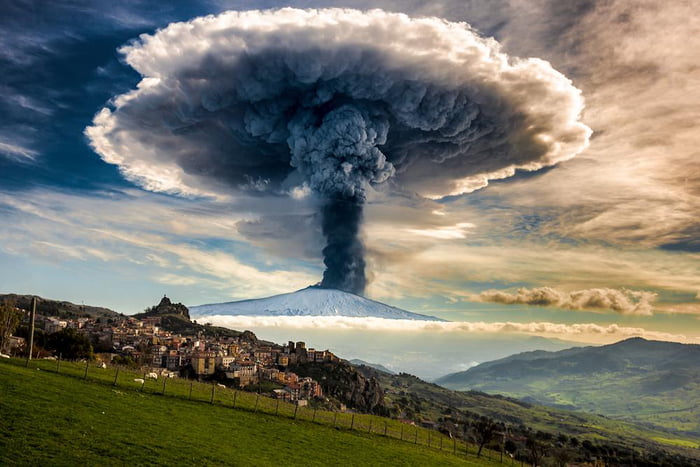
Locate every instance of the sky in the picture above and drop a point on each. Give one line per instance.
(599, 242)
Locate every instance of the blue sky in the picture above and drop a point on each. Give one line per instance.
(609, 237)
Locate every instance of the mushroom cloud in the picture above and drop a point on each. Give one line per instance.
(333, 103)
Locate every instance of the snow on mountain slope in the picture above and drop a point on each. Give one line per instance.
(312, 301)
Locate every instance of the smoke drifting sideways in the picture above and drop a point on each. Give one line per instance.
(333, 103)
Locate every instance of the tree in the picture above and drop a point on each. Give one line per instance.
(102, 343)
(563, 455)
(125, 361)
(510, 447)
(10, 318)
(536, 450)
(70, 344)
(483, 430)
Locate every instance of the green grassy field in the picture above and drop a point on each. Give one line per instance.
(49, 418)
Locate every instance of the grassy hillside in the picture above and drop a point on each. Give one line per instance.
(433, 402)
(60, 419)
(653, 383)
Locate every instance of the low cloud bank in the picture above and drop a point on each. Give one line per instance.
(624, 301)
(579, 332)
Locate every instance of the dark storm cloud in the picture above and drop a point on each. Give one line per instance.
(333, 103)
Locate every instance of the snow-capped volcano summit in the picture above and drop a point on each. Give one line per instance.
(312, 301)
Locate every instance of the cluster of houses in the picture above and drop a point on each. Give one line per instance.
(240, 360)
(248, 363)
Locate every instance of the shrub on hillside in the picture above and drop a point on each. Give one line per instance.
(70, 344)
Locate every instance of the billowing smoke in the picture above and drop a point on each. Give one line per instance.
(344, 254)
(334, 103)
(336, 152)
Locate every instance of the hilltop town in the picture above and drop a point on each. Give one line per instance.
(155, 341)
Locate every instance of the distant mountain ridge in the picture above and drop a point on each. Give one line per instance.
(650, 381)
(635, 353)
(312, 301)
(59, 308)
(376, 366)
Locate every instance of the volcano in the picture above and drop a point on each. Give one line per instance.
(312, 301)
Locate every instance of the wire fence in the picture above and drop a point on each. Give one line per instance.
(215, 394)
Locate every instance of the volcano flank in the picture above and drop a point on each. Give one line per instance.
(312, 301)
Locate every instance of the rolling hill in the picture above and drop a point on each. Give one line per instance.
(655, 383)
(428, 401)
(61, 419)
(61, 309)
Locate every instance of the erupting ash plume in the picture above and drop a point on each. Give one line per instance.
(333, 103)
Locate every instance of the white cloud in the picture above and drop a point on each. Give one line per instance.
(626, 302)
(23, 103)
(582, 332)
(452, 232)
(406, 265)
(167, 238)
(17, 152)
(638, 183)
(679, 308)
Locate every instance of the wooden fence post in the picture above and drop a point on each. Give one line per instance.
(466, 445)
(116, 375)
(313, 419)
(191, 384)
(32, 316)
(352, 422)
(296, 407)
(277, 408)
(165, 380)
(256, 402)
(385, 428)
(213, 388)
(87, 364)
(370, 426)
